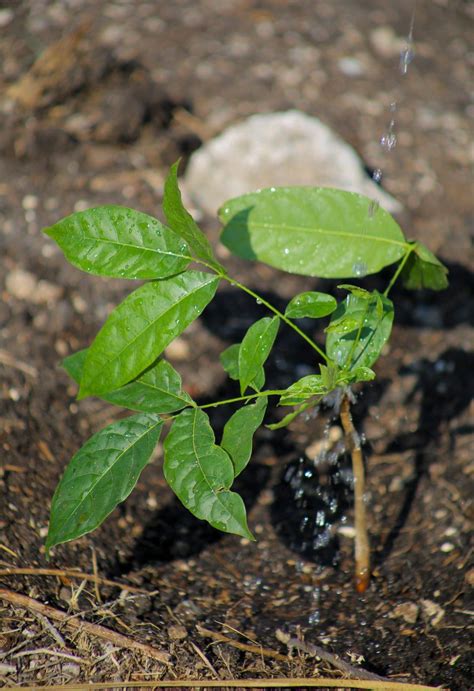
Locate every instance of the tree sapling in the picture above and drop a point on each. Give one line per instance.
(319, 232)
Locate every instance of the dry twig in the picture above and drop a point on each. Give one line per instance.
(117, 639)
(276, 683)
(66, 573)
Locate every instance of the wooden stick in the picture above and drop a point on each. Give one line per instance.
(117, 639)
(334, 660)
(66, 573)
(362, 545)
(256, 649)
(276, 683)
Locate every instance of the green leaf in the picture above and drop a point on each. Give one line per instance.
(364, 374)
(311, 304)
(183, 224)
(230, 362)
(157, 390)
(284, 422)
(255, 348)
(141, 327)
(342, 325)
(304, 388)
(239, 430)
(312, 231)
(201, 473)
(424, 270)
(355, 290)
(121, 243)
(101, 475)
(361, 345)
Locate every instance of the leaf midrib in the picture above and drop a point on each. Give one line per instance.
(100, 240)
(123, 452)
(196, 455)
(303, 229)
(149, 326)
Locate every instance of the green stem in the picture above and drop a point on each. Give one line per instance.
(398, 271)
(237, 399)
(257, 394)
(283, 317)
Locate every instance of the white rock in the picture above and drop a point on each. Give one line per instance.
(23, 285)
(276, 149)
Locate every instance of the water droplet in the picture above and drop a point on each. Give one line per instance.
(272, 189)
(388, 141)
(360, 269)
(258, 301)
(406, 56)
(286, 251)
(377, 175)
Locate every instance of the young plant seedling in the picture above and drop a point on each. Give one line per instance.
(320, 232)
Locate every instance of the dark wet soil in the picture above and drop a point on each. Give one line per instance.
(136, 85)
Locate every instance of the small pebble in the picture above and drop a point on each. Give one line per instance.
(408, 611)
(469, 577)
(178, 350)
(447, 547)
(351, 67)
(432, 611)
(29, 202)
(6, 16)
(177, 633)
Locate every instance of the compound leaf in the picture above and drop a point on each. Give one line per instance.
(255, 348)
(156, 390)
(424, 270)
(183, 224)
(311, 304)
(239, 430)
(101, 475)
(201, 473)
(369, 323)
(121, 243)
(141, 327)
(312, 231)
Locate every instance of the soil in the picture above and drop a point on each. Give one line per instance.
(99, 120)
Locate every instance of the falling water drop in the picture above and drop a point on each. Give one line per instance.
(360, 269)
(388, 141)
(377, 175)
(406, 56)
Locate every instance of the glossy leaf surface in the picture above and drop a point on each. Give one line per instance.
(312, 231)
(201, 473)
(369, 329)
(304, 388)
(141, 327)
(230, 362)
(183, 224)
(121, 243)
(238, 432)
(101, 475)
(311, 304)
(424, 270)
(255, 348)
(157, 390)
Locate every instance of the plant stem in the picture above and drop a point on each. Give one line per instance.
(283, 317)
(398, 271)
(362, 545)
(258, 394)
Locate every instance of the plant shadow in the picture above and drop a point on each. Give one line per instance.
(446, 387)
